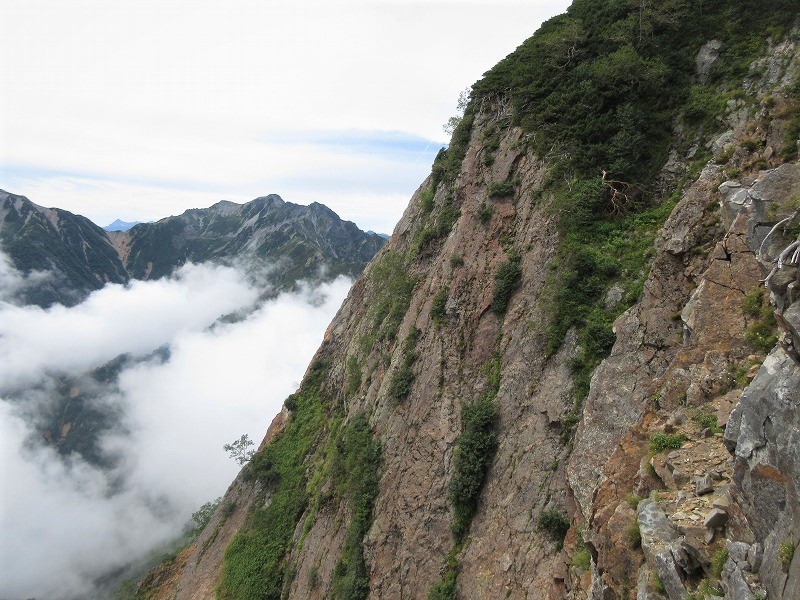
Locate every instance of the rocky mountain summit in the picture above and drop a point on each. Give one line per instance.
(70, 256)
(572, 371)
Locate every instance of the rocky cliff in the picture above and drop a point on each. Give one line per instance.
(565, 376)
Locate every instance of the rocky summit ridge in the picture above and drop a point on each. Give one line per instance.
(572, 372)
(295, 242)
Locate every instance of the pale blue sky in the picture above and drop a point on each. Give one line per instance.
(140, 110)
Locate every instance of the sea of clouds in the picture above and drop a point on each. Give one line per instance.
(66, 522)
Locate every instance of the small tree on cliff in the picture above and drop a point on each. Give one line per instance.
(240, 450)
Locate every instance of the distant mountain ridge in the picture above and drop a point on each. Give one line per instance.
(120, 225)
(298, 242)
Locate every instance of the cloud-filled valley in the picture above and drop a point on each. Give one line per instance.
(190, 382)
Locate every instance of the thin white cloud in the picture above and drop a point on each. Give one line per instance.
(63, 524)
(136, 318)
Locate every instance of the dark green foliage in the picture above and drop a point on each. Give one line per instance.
(437, 226)
(506, 281)
(786, 554)
(445, 589)
(475, 450)
(635, 61)
(254, 567)
(203, 515)
(762, 333)
(353, 375)
(718, 562)
(426, 201)
(554, 523)
(447, 163)
(439, 307)
(485, 211)
(356, 473)
(634, 536)
(400, 385)
(502, 189)
(707, 421)
(392, 290)
(790, 139)
(661, 442)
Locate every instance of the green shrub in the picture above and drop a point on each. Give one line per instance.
(633, 500)
(353, 376)
(426, 200)
(762, 333)
(439, 307)
(485, 211)
(474, 452)
(445, 589)
(662, 442)
(582, 559)
(718, 562)
(707, 421)
(554, 523)
(506, 281)
(400, 384)
(356, 474)
(502, 189)
(634, 536)
(786, 554)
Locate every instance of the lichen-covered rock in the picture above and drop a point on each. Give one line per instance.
(661, 544)
(763, 435)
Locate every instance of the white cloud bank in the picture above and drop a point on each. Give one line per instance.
(63, 523)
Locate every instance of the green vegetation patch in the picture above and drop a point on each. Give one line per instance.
(439, 307)
(254, 563)
(502, 189)
(762, 333)
(475, 450)
(661, 442)
(392, 291)
(356, 474)
(786, 554)
(506, 281)
(555, 523)
(400, 384)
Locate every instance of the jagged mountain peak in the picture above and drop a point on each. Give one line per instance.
(298, 242)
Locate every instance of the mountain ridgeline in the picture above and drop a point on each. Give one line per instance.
(296, 242)
(572, 373)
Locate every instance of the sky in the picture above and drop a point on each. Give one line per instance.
(141, 110)
(66, 522)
